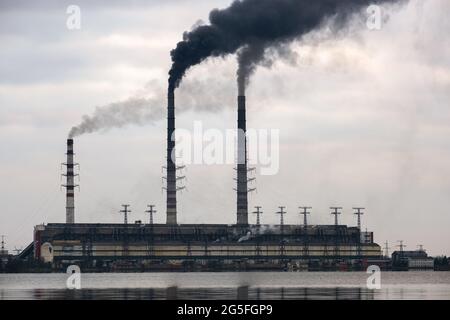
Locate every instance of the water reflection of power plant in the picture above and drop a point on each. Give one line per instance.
(224, 293)
(173, 246)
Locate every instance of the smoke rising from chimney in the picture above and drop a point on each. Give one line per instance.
(118, 114)
(149, 105)
(249, 27)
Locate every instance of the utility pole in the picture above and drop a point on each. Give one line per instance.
(386, 249)
(258, 213)
(305, 212)
(151, 211)
(125, 212)
(336, 212)
(150, 246)
(401, 245)
(282, 213)
(359, 213)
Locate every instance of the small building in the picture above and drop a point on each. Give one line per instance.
(4, 256)
(418, 260)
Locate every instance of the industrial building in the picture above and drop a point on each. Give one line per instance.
(181, 247)
(173, 246)
(412, 260)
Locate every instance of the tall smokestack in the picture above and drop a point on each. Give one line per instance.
(242, 190)
(171, 165)
(70, 184)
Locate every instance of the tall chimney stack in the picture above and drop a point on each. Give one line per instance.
(70, 183)
(242, 189)
(171, 165)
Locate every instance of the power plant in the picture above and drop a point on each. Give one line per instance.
(241, 245)
(173, 246)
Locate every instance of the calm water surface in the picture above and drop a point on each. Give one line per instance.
(230, 285)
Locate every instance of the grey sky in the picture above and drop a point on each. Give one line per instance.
(364, 119)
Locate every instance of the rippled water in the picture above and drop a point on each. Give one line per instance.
(230, 285)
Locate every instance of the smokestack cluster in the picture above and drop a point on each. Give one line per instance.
(171, 169)
(70, 183)
(242, 188)
(248, 28)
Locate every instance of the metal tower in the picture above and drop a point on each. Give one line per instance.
(151, 211)
(336, 212)
(150, 235)
(386, 249)
(125, 212)
(359, 213)
(401, 246)
(281, 213)
(305, 213)
(258, 213)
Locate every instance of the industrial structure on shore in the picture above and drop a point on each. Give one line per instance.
(173, 246)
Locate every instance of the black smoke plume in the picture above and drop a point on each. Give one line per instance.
(249, 27)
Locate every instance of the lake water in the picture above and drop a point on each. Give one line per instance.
(228, 285)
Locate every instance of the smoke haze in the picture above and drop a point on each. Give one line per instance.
(118, 114)
(252, 26)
